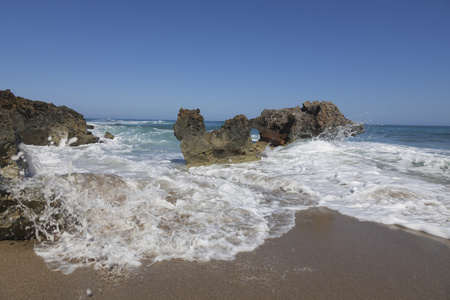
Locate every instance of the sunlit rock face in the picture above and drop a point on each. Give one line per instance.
(283, 126)
(278, 127)
(232, 143)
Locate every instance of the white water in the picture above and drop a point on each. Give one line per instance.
(132, 198)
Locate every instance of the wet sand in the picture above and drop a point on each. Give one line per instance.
(326, 255)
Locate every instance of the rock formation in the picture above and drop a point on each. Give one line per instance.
(277, 127)
(283, 126)
(35, 123)
(40, 123)
(232, 143)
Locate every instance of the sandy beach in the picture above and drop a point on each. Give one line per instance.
(326, 255)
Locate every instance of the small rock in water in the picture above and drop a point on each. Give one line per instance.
(109, 135)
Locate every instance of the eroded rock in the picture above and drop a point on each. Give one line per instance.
(277, 127)
(232, 143)
(284, 126)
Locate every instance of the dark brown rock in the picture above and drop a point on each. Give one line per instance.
(14, 223)
(36, 123)
(283, 126)
(275, 138)
(18, 212)
(232, 143)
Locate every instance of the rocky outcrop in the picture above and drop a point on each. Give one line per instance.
(232, 143)
(283, 126)
(35, 123)
(277, 127)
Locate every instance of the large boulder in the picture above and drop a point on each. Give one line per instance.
(283, 126)
(35, 123)
(232, 143)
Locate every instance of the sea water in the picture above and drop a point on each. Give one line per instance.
(131, 199)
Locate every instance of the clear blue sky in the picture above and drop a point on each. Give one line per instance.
(382, 61)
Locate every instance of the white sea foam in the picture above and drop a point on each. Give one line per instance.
(17, 156)
(344, 177)
(72, 141)
(132, 198)
(115, 222)
(129, 122)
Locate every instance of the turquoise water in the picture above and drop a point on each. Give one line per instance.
(132, 198)
(434, 137)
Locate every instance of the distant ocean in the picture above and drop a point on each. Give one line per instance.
(136, 199)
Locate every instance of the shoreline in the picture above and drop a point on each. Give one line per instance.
(326, 255)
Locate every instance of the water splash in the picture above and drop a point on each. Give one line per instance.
(111, 205)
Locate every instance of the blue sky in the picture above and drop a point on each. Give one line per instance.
(381, 62)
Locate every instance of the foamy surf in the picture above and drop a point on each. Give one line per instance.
(131, 198)
(114, 222)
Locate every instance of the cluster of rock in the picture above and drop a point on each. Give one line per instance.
(232, 142)
(40, 123)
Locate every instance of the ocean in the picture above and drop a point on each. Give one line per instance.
(131, 200)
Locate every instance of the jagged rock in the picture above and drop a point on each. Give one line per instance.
(109, 135)
(283, 126)
(35, 123)
(232, 143)
(189, 123)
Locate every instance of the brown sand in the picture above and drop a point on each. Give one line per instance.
(327, 255)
